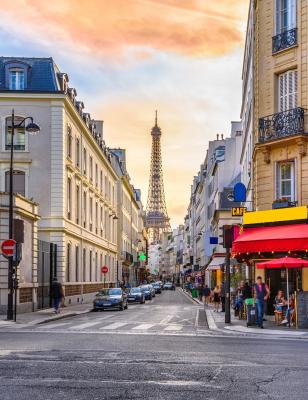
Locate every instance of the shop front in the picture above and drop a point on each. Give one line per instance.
(274, 234)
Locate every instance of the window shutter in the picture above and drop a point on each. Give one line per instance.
(288, 90)
(278, 17)
(282, 92)
(292, 89)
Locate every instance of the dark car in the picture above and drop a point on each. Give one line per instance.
(110, 298)
(136, 295)
(147, 292)
(156, 287)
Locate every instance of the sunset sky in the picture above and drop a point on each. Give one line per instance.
(127, 58)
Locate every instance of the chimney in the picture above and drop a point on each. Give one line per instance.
(217, 136)
(222, 136)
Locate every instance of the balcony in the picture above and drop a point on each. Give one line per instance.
(284, 40)
(280, 125)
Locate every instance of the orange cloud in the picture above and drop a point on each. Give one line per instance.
(108, 28)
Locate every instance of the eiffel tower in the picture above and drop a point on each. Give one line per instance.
(156, 220)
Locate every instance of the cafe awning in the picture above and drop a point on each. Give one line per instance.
(282, 238)
(215, 263)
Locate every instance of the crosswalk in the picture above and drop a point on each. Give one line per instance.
(105, 325)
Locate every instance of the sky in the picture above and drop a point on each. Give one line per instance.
(127, 58)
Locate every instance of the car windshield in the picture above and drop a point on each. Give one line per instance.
(135, 290)
(110, 292)
(144, 288)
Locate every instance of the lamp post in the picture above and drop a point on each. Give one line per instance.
(31, 128)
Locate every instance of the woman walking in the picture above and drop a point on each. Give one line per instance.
(216, 298)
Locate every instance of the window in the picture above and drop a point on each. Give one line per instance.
(16, 79)
(84, 161)
(285, 15)
(91, 214)
(19, 184)
(96, 175)
(96, 218)
(90, 266)
(68, 262)
(77, 204)
(91, 169)
(84, 209)
(287, 90)
(77, 153)
(69, 142)
(77, 264)
(69, 198)
(102, 224)
(96, 267)
(101, 181)
(285, 179)
(84, 264)
(19, 134)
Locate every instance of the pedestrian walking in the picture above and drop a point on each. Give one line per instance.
(57, 294)
(261, 294)
(206, 292)
(223, 296)
(216, 298)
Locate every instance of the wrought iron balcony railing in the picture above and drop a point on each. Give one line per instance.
(284, 40)
(281, 125)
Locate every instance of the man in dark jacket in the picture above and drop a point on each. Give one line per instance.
(56, 294)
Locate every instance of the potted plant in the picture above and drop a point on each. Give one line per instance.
(283, 202)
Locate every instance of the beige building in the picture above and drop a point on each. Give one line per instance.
(66, 169)
(280, 87)
(27, 274)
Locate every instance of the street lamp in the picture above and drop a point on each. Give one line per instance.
(31, 128)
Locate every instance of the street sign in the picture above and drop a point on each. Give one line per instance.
(8, 247)
(238, 211)
(142, 256)
(104, 269)
(213, 240)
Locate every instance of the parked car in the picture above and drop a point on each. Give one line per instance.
(169, 286)
(156, 287)
(152, 289)
(136, 295)
(147, 292)
(110, 298)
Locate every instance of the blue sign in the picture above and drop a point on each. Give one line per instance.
(213, 240)
(239, 192)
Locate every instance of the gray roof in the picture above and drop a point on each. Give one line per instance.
(41, 76)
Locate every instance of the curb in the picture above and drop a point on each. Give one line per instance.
(57, 317)
(211, 321)
(190, 298)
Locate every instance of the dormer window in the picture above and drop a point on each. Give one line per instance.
(16, 79)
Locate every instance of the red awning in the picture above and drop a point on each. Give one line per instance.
(282, 238)
(285, 262)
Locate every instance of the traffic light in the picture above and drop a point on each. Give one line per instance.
(227, 236)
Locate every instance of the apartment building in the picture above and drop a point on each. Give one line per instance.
(66, 169)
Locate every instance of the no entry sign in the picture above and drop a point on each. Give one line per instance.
(8, 247)
(104, 269)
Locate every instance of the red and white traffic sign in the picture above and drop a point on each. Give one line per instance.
(8, 247)
(104, 269)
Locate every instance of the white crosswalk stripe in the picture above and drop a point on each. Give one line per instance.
(143, 327)
(174, 328)
(115, 325)
(89, 324)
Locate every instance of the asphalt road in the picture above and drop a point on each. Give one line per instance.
(161, 350)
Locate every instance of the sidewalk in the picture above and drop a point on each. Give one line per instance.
(46, 315)
(216, 322)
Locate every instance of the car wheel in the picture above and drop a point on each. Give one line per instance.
(121, 307)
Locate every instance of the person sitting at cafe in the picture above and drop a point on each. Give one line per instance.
(290, 311)
(239, 296)
(280, 301)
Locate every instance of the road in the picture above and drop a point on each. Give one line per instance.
(160, 350)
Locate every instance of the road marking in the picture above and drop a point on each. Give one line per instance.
(51, 326)
(115, 325)
(197, 318)
(89, 324)
(143, 326)
(174, 328)
(165, 320)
